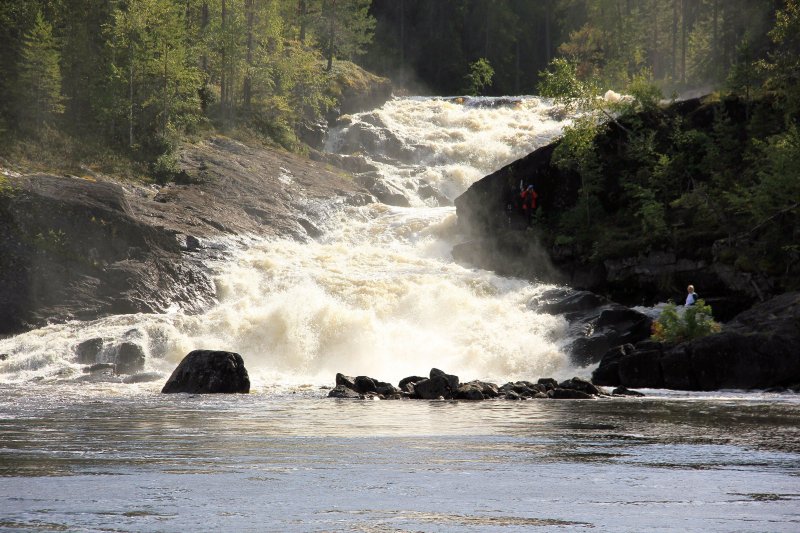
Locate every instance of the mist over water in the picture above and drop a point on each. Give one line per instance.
(378, 294)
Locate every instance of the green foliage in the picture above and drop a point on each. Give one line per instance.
(676, 325)
(480, 76)
(562, 83)
(39, 89)
(344, 28)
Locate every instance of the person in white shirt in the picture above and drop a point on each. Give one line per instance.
(691, 297)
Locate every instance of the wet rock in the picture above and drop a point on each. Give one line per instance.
(582, 385)
(607, 373)
(130, 358)
(548, 383)
(623, 391)
(89, 350)
(439, 384)
(569, 394)
(366, 385)
(383, 191)
(427, 191)
(511, 395)
(525, 389)
(99, 367)
(209, 371)
(407, 384)
(143, 377)
(340, 391)
(469, 391)
(598, 323)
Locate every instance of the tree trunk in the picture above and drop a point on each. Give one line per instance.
(247, 89)
(675, 39)
(656, 51)
(223, 97)
(302, 8)
(166, 90)
(331, 33)
(204, 18)
(715, 40)
(684, 32)
(130, 103)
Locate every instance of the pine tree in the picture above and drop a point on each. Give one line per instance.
(39, 87)
(344, 28)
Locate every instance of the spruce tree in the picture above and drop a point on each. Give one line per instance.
(39, 87)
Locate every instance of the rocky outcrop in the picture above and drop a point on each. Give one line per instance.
(631, 274)
(442, 386)
(82, 248)
(596, 323)
(756, 350)
(207, 372)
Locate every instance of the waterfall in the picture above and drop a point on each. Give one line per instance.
(378, 293)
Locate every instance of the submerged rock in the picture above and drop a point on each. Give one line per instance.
(130, 358)
(209, 371)
(89, 350)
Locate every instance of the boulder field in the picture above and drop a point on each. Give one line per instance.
(442, 386)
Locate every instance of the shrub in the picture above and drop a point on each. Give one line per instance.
(674, 326)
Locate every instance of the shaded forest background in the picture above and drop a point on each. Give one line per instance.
(127, 80)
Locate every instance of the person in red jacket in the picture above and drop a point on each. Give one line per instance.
(529, 197)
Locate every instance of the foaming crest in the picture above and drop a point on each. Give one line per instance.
(448, 143)
(387, 307)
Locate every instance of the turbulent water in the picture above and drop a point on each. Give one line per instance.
(378, 294)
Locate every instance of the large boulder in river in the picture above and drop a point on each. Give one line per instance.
(209, 371)
(438, 385)
(756, 350)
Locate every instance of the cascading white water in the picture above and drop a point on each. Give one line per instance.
(378, 294)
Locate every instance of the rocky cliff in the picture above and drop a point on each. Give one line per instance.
(84, 247)
(631, 272)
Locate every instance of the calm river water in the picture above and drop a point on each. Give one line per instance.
(80, 458)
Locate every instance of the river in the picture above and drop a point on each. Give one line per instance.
(379, 294)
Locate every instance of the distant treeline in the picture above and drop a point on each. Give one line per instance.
(137, 74)
(686, 44)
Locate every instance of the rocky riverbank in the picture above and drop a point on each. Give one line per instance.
(756, 350)
(83, 247)
(442, 386)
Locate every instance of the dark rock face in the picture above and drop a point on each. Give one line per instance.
(89, 350)
(73, 248)
(635, 278)
(362, 385)
(438, 385)
(598, 323)
(76, 248)
(757, 350)
(209, 371)
(130, 358)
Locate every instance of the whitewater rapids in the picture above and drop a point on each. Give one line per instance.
(377, 294)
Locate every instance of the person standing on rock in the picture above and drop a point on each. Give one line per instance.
(529, 203)
(691, 297)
